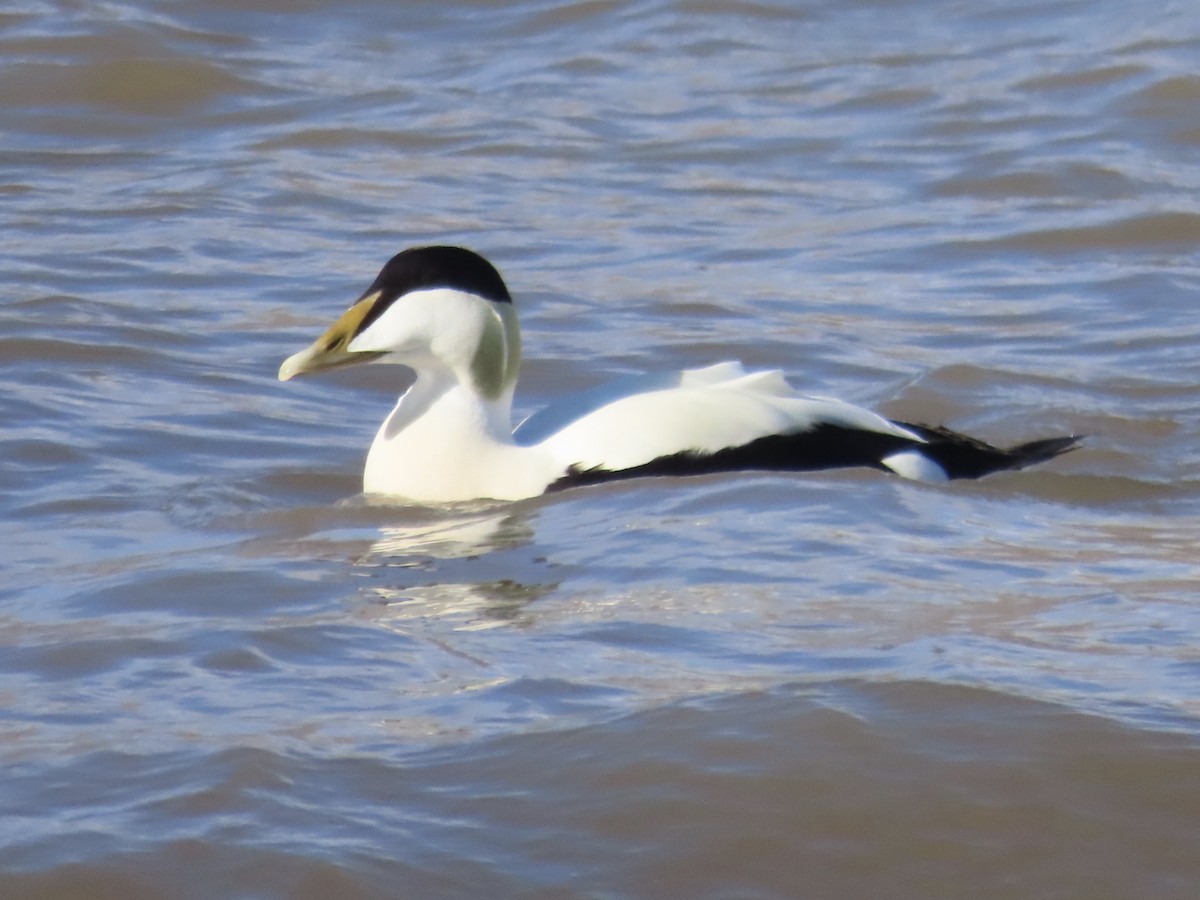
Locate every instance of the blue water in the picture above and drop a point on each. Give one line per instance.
(224, 672)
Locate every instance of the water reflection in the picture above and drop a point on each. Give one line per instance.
(465, 607)
(456, 536)
(471, 599)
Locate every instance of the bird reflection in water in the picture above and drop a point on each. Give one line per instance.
(469, 562)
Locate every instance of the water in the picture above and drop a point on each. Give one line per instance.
(226, 674)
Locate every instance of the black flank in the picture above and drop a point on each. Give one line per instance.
(831, 447)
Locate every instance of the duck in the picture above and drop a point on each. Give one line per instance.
(446, 313)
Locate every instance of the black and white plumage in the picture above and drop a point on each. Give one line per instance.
(446, 313)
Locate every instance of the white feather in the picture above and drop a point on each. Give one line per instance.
(915, 465)
(707, 410)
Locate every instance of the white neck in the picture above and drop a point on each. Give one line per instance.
(445, 442)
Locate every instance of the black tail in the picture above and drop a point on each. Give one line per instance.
(965, 457)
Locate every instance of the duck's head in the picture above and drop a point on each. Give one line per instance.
(439, 309)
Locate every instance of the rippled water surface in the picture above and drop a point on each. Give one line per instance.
(224, 673)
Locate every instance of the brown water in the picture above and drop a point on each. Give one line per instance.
(225, 674)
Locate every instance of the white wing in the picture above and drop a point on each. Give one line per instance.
(635, 420)
(545, 422)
